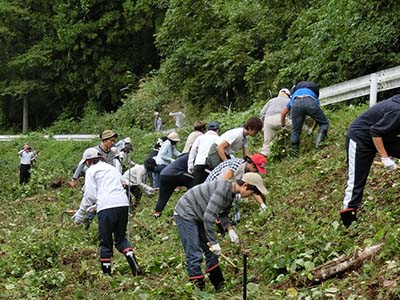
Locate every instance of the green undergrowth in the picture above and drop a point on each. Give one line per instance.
(40, 258)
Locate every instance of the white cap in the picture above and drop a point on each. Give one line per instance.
(127, 140)
(286, 91)
(89, 154)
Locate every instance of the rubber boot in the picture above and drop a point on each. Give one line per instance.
(106, 265)
(294, 150)
(348, 215)
(130, 257)
(198, 283)
(320, 138)
(216, 277)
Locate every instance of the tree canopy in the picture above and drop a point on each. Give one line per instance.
(206, 53)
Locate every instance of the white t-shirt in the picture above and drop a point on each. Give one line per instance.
(235, 138)
(26, 157)
(199, 151)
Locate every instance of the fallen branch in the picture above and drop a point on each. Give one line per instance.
(332, 268)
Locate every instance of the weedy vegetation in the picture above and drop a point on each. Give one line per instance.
(301, 229)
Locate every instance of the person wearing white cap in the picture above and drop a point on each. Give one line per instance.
(271, 117)
(165, 156)
(104, 191)
(124, 147)
(195, 215)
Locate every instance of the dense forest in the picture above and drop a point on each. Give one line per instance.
(67, 57)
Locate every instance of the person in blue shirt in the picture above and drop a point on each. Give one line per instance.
(304, 102)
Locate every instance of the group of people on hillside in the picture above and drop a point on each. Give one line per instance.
(210, 154)
(215, 178)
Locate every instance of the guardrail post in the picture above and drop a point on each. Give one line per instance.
(373, 91)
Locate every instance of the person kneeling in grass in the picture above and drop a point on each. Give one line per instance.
(195, 215)
(103, 189)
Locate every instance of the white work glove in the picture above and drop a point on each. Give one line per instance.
(263, 207)
(388, 163)
(234, 237)
(150, 191)
(78, 216)
(216, 249)
(92, 208)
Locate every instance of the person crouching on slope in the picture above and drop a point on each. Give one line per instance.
(195, 215)
(103, 186)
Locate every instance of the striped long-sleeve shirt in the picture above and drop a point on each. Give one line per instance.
(205, 203)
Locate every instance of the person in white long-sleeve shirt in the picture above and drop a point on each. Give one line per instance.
(104, 191)
(134, 179)
(165, 156)
(198, 153)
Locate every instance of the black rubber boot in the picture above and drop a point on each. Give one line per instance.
(348, 215)
(217, 278)
(106, 265)
(130, 257)
(198, 283)
(294, 150)
(320, 138)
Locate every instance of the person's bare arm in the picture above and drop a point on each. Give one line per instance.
(284, 112)
(221, 150)
(380, 147)
(228, 175)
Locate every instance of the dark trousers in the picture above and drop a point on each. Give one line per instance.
(194, 241)
(301, 108)
(156, 175)
(112, 222)
(167, 186)
(359, 161)
(135, 191)
(199, 174)
(24, 173)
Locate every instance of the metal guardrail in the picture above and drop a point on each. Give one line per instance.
(57, 137)
(361, 86)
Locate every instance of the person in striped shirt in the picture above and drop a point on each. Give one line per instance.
(235, 168)
(195, 215)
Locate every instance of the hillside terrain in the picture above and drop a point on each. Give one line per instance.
(44, 259)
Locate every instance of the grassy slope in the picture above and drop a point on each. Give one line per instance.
(41, 259)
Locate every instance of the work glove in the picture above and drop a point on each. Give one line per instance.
(388, 163)
(216, 249)
(92, 208)
(263, 207)
(78, 216)
(150, 191)
(234, 237)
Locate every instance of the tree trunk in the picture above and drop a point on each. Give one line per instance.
(25, 120)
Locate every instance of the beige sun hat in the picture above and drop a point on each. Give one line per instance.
(107, 134)
(256, 180)
(173, 136)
